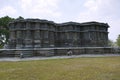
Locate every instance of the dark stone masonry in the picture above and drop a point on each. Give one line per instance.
(35, 33)
(35, 37)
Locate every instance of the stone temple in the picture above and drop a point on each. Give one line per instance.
(35, 37)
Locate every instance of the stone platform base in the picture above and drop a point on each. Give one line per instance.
(58, 51)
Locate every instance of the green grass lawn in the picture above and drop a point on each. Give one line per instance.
(100, 68)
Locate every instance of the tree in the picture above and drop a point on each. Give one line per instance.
(110, 43)
(20, 17)
(4, 35)
(4, 21)
(4, 31)
(118, 41)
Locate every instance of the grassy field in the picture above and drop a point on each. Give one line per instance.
(101, 68)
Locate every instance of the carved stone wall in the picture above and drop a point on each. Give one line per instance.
(36, 33)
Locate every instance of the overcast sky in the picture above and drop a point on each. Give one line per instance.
(107, 11)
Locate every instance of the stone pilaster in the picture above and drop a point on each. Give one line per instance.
(51, 39)
(28, 39)
(37, 26)
(12, 35)
(19, 43)
(37, 41)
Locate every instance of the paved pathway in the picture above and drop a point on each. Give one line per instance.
(55, 57)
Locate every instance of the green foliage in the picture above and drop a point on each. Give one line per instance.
(118, 40)
(20, 17)
(102, 68)
(4, 30)
(4, 35)
(111, 43)
(4, 21)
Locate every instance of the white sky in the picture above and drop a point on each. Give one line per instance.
(107, 11)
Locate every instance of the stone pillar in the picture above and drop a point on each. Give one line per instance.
(46, 39)
(45, 26)
(18, 35)
(11, 28)
(19, 39)
(28, 38)
(45, 36)
(12, 35)
(75, 39)
(18, 25)
(28, 41)
(106, 39)
(12, 40)
(37, 26)
(28, 34)
(37, 41)
(79, 39)
(51, 39)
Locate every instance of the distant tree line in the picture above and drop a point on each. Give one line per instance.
(118, 40)
(114, 43)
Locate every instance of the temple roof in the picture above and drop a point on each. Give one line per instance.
(60, 24)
